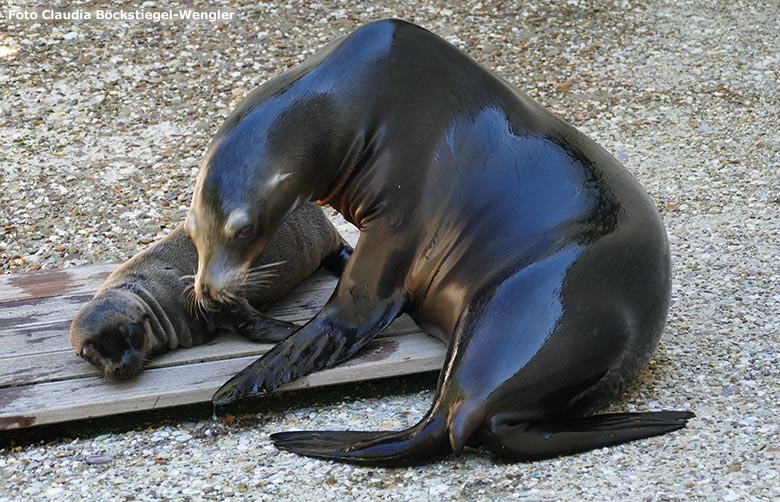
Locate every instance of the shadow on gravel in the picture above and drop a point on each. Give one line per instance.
(246, 413)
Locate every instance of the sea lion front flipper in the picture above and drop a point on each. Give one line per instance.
(537, 441)
(323, 342)
(361, 307)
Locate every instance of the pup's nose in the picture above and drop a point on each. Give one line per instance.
(122, 370)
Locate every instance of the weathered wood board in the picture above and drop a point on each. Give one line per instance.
(42, 381)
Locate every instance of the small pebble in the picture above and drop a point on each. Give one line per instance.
(98, 459)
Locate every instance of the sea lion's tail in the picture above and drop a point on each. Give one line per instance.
(422, 443)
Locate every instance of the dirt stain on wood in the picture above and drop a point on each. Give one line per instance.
(18, 422)
(51, 283)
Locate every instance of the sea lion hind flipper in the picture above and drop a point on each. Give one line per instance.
(537, 441)
(261, 328)
(422, 443)
(241, 318)
(336, 262)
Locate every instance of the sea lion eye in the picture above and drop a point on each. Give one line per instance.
(245, 232)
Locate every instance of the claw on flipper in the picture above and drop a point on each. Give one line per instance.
(241, 386)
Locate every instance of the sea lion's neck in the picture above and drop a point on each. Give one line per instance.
(353, 160)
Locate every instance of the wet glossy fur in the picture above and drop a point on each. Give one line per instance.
(499, 228)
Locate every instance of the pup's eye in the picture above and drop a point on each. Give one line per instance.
(245, 232)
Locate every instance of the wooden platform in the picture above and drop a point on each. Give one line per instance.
(42, 381)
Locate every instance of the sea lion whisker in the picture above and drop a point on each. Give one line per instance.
(258, 276)
(187, 277)
(266, 266)
(260, 285)
(190, 299)
(266, 275)
(192, 305)
(200, 309)
(234, 299)
(262, 271)
(211, 306)
(262, 275)
(258, 280)
(255, 286)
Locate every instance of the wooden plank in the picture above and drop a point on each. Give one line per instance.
(72, 281)
(54, 337)
(41, 325)
(64, 364)
(43, 382)
(43, 311)
(39, 312)
(33, 340)
(54, 402)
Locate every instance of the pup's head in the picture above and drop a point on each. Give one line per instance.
(112, 333)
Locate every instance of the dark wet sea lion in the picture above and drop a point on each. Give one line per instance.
(498, 227)
(143, 310)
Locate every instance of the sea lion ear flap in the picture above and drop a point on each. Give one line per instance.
(134, 334)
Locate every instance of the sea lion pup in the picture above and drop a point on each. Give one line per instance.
(145, 309)
(496, 226)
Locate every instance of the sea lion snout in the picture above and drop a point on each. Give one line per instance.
(203, 290)
(218, 280)
(114, 362)
(128, 366)
(212, 283)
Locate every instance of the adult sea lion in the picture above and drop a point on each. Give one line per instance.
(144, 308)
(496, 226)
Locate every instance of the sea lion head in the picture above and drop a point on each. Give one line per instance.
(266, 160)
(111, 333)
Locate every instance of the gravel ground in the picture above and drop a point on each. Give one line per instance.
(104, 125)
